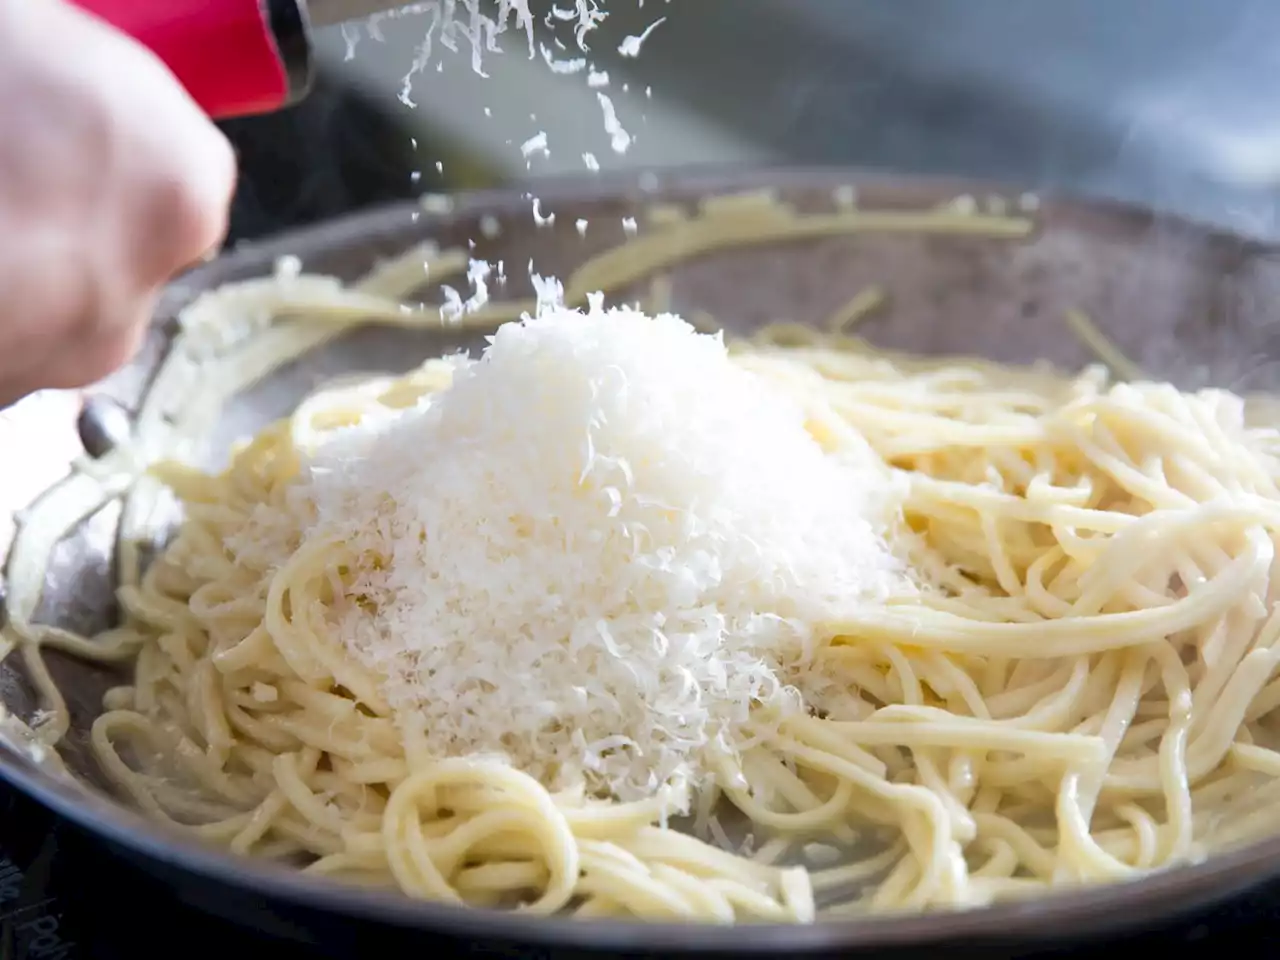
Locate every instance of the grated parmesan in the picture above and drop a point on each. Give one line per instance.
(619, 139)
(597, 552)
(535, 144)
(477, 25)
(538, 218)
(454, 307)
(630, 46)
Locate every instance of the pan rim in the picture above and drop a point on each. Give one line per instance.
(1077, 914)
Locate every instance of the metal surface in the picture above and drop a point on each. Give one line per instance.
(1188, 305)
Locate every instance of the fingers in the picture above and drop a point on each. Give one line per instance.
(78, 360)
(111, 347)
(181, 211)
(176, 171)
(100, 209)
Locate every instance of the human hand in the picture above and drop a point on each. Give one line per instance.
(111, 181)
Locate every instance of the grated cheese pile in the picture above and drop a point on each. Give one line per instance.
(598, 551)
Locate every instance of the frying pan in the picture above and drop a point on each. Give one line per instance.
(1186, 303)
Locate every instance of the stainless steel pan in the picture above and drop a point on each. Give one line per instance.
(1186, 303)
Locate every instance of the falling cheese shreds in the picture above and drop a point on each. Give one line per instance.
(478, 25)
(538, 218)
(630, 46)
(454, 307)
(558, 65)
(535, 144)
(598, 552)
(585, 15)
(619, 139)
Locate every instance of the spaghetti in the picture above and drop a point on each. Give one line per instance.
(1082, 691)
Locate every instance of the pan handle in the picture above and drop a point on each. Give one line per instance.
(235, 57)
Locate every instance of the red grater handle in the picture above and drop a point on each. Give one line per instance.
(235, 57)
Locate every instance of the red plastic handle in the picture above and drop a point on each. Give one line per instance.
(235, 57)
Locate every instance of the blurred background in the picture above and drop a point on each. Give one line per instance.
(1170, 103)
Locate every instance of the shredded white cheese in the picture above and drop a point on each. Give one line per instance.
(535, 144)
(538, 217)
(630, 47)
(478, 25)
(619, 139)
(597, 552)
(557, 65)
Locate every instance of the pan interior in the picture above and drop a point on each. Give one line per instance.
(1187, 306)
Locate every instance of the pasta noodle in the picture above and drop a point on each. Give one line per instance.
(1083, 691)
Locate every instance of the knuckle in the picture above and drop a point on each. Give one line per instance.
(193, 201)
(194, 218)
